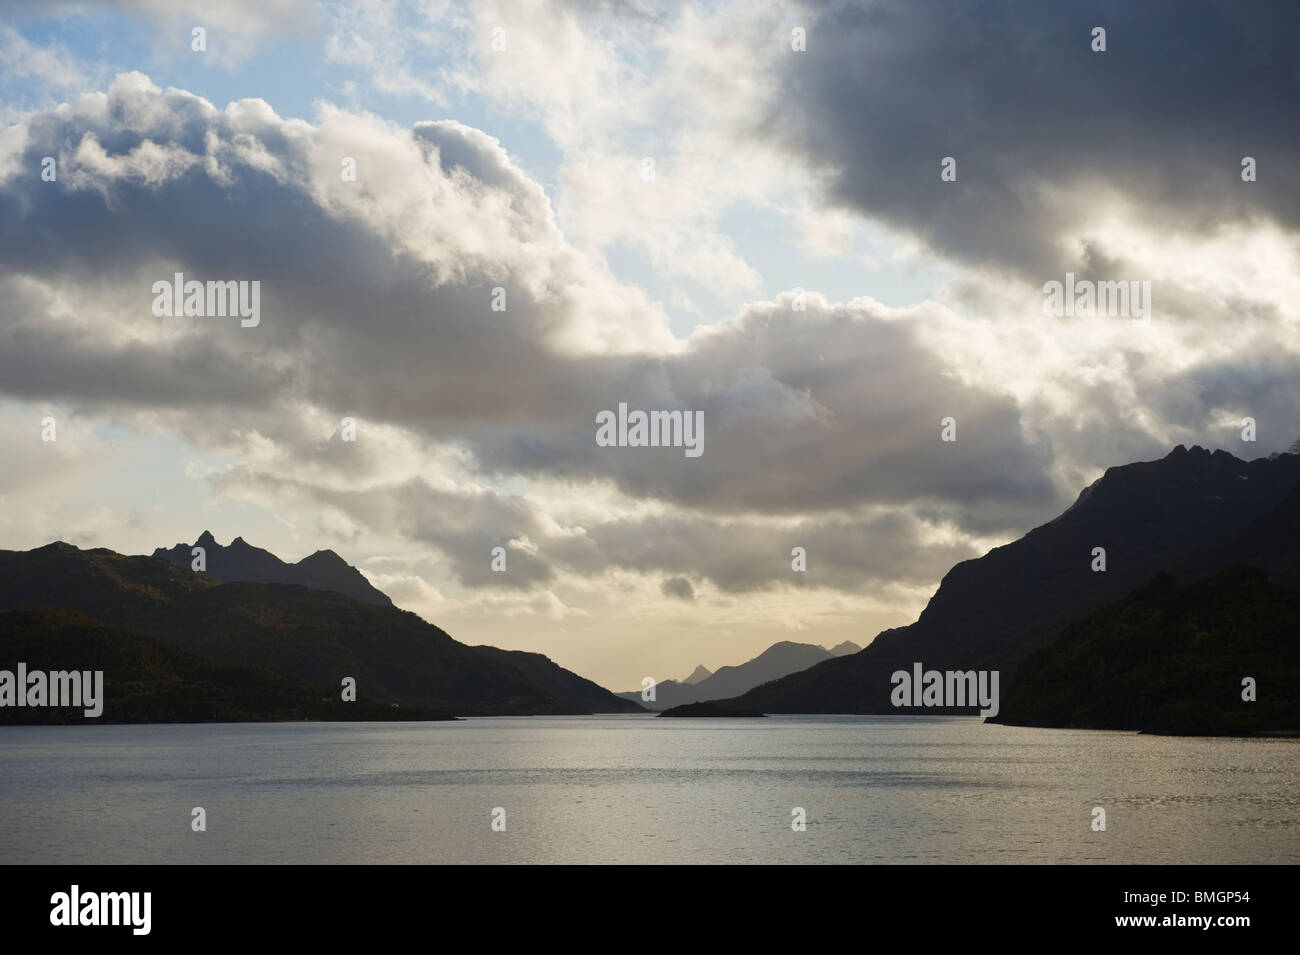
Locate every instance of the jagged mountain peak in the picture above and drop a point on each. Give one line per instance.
(241, 561)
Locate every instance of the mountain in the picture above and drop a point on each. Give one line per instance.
(776, 661)
(1170, 658)
(990, 613)
(146, 681)
(845, 648)
(699, 673)
(241, 561)
(1270, 542)
(561, 684)
(314, 636)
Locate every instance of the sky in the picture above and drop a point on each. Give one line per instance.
(823, 229)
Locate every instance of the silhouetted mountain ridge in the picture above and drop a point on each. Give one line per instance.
(241, 561)
(314, 636)
(700, 673)
(776, 661)
(989, 613)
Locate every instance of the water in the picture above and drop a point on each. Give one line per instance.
(640, 789)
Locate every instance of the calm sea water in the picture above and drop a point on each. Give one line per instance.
(640, 789)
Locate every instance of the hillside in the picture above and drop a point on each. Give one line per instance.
(318, 637)
(1191, 506)
(1170, 658)
(148, 682)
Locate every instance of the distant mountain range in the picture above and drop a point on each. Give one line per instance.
(1192, 514)
(776, 661)
(291, 635)
(241, 561)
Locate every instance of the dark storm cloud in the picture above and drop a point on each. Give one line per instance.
(1040, 125)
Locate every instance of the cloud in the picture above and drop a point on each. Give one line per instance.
(235, 29)
(605, 83)
(53, 65)
(476, 428)
(376, 302)
(1044, 130)
(678, 587)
